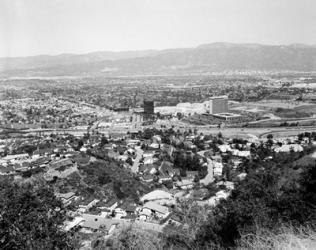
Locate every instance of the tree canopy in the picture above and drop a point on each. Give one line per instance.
(31, 218)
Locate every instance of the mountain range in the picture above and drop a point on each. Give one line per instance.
(207, 58)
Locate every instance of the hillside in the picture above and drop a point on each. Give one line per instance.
(215, 57)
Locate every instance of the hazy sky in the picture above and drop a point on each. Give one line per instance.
(31, 27)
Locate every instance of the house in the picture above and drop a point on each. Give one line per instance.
(147, 177)
(83, 149)
(68, 225)
(59, 172)
(6, 170)
(131, 151)
(217, 158)
(185, 184)
(217, 168)
(169, 149)
(148, 160)
(60, 149)
(199, 194)
(189, 145)
(40, 161)
(224, 148)
(3, 148)
(156, 195)
(148, 171)
(62, 163)
(148, 154)
(191, 175)
(174, 218)
(144, 214)
(119, 213)
(98, 223)
(132, 142)
(154, 208)
(147, 168)
(86, 204)
(222, 194)
(164, 177)
(66, 198)
(289, 147)
(154, 145)
(110, 204)
(242, 176)
(156, 139)
(22, 167)
(42, 152)
(236, 162)
(129, 208)
(15, 158)
(214, 200)
(122, 157)
(81, 160)
(240, 153)
(166, 168)
(228, 184)
(121, 149)
(166, 171)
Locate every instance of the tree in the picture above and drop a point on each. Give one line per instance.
(30, 218)
(29, 149)
(270, 143)
(103, 141)
(226, 172)
(184, 236)
(129, 161)
(269, 136)
(80, 144)
(104, 178)
(133, 238)
(271, 196)
(148, 133)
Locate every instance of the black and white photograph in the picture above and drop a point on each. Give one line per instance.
(157, 124)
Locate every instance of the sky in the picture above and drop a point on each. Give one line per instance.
(33, 27)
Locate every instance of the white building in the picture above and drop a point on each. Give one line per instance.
(217, 104)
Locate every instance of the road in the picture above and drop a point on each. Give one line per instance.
(139, 155)
(210, 165)
(288, 132)
(226, 132)
(253, 133)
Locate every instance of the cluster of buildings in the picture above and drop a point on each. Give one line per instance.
(146, 165)
(216, 108)
(28, 113)
(214, 105)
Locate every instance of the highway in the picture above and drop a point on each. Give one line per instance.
(256, 132)
(226, 132)
(289, 131)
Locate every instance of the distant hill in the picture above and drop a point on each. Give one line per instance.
(46, 61)
(215, 57)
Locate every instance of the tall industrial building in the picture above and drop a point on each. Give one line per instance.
(148, 107)
(218, 104)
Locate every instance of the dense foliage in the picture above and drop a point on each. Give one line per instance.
(276, 192)
(109, 174)
(30, 218)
